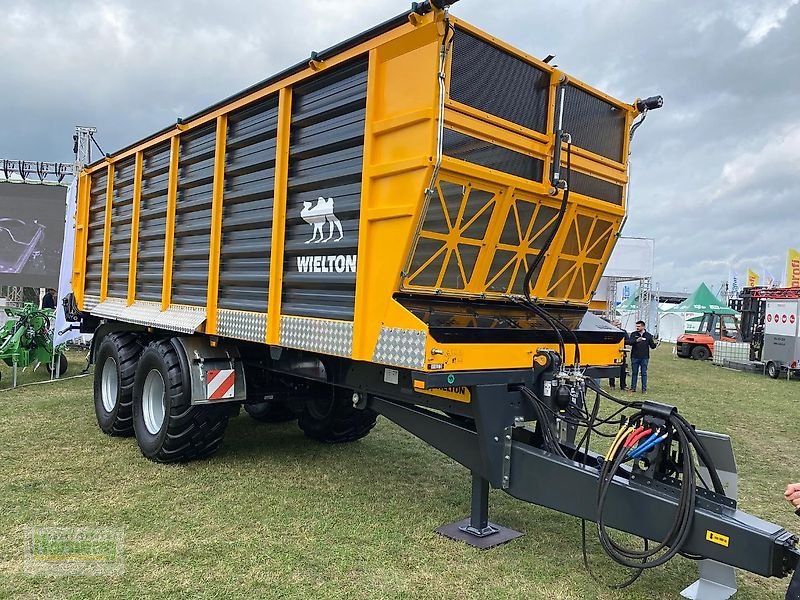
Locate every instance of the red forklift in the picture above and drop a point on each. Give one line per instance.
(713, 328)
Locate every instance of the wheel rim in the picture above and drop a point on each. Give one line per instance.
(109, 384)
(153, 401)
(320, 407)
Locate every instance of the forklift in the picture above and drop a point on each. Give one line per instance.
(713, 327)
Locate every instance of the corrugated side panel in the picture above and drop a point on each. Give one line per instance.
(324, 195)
(121, 222)
(247, 207)
(97, 217)
(152, 224)
(193, 217)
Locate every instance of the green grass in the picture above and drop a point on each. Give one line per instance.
(274, 515)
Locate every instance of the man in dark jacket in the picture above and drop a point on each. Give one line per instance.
(49, 300)
(641, 342)
(623, 368)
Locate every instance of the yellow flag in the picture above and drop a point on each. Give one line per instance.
(752, 278)
(793, 268)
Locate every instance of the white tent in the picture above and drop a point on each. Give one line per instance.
(670, 326)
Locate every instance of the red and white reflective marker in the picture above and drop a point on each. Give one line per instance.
(219, 383)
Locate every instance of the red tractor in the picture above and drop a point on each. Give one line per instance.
(713, 327)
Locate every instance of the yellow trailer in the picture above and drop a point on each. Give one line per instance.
(410, 223)
(381, 202)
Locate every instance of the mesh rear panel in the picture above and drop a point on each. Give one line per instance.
(594, 124)
(491, 80)
(486, 154)
(580, 183)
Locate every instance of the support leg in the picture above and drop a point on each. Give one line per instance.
(477, 531)
(716, 581)
(479, 516)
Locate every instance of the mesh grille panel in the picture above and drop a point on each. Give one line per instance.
(491, 80)
(594, 124)
(580, 183)
(486, 154)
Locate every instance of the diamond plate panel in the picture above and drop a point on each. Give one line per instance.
(400, 347)
(242, 325)
(317, 335)
(89, 302)
(111, 308)
(183, 319)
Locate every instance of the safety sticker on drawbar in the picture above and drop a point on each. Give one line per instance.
(219, 383)
(717, 538)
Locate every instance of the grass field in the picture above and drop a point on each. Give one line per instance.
(273, 515)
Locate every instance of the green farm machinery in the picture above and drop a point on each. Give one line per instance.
(26, 339)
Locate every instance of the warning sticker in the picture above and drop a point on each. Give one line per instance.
(219, 383)
(717, 538)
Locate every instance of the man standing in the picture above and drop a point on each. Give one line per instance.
(641, 342)
(49, 300)
(623, 368)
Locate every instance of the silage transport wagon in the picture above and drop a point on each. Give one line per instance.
(411, 223)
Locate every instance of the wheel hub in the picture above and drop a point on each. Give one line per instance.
(109, 384)
(153, 401)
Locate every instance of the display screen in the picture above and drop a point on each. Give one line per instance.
(31, 233)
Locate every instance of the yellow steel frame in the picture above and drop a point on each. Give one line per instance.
(279, 215)
(218, 187)
(169, 236)
(107, 232)
(81, 237)
(137, 202)
(399, 158)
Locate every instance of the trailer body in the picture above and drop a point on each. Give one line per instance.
(295, 214)
(410, 224)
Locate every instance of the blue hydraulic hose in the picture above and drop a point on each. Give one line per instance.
(643, 448)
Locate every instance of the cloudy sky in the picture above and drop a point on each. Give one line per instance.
(715, 173)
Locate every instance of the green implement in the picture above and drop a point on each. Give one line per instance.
(26, 339)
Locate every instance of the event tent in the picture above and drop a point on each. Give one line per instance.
(703, 301)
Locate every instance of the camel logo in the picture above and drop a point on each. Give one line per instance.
(317, 216)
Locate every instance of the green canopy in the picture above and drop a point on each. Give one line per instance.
(703, 300)
(630, 303)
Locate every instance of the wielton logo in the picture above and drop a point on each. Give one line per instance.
(317, 216)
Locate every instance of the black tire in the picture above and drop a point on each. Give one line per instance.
(773, 370)
(61, 368)
(119, 353)
(329, 416)
(185, 432)
(270, 411)
(700, 353)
